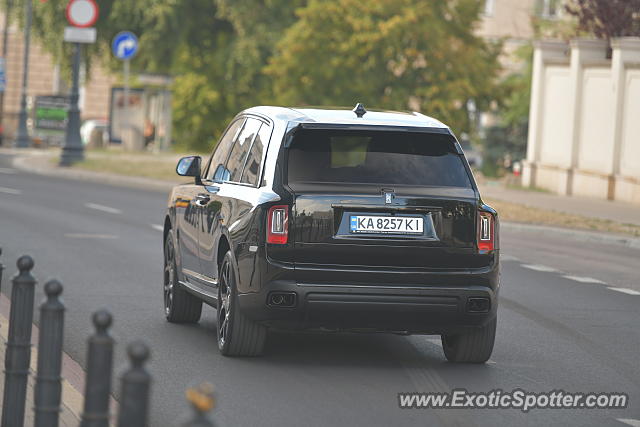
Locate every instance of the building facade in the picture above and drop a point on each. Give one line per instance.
(45, 79)
(512, 22)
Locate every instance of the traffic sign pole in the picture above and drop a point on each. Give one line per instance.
(125, 46)
(81, 14)
(73, 150)
(125, 133)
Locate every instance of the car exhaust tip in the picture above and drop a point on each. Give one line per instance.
(478, 305)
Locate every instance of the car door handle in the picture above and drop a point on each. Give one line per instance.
(213, 189)
(202, 199)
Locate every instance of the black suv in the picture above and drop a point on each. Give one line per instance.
(334, 220)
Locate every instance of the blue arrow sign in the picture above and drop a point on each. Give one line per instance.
(124, 45)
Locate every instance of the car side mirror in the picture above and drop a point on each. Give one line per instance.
(189, 166)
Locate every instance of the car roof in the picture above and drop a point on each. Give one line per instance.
(346, 116)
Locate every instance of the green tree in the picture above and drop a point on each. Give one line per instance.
(396, 54)
(508, 135)
(388, 53)
(226, 75)
(159, 24)
(206, 44)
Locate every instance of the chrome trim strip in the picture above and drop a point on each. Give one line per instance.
(373, 288)
(200, 277)
(199, 291)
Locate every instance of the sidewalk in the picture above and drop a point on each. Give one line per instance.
(39, 162)
(621, 212)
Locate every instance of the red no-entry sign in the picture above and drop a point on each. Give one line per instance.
(82, 13)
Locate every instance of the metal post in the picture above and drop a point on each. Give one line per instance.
(125, 134)
(18, 353)
(1, 270)
(134, 400)
(73, 150)
(99, 367)
(202, 400)
(48, 380)
(23, 140)
(5, 41)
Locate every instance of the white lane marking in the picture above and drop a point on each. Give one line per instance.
(102, 208)
(629, 421)
(157, 227)
(585, 279)
(7, 190)
(538, 267)
(625, 291)
(8, 171)
(490, 362)
(89, 236)
(508, 258)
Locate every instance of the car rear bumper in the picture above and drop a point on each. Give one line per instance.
(433, 309)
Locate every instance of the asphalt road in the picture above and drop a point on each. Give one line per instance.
(561, 326)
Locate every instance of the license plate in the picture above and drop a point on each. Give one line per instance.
(386, 224)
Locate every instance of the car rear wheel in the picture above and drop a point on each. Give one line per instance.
(474, 346)
(179, 305)
(237, 334)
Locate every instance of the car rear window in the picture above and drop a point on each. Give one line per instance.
(371, 157)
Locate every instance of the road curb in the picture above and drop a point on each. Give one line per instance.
(35, 164)
(580, 235)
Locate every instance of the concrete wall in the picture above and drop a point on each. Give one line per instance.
(584, 124)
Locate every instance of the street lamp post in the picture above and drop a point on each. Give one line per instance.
(23, 140)
(73, 150)
(5, 41)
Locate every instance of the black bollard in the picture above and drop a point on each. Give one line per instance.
(99, 367)
(202, 400)
(18, 353)
(48, 380)
(134, 399)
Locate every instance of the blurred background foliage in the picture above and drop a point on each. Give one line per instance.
(390, 54)
(227, 55)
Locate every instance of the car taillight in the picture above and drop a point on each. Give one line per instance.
(278, 224)
(486, 231)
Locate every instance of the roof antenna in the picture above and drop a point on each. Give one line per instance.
(359, 110)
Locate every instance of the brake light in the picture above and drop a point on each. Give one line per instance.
(486, 231)
(278, 224)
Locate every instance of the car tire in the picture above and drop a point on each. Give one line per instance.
(237, 334)
(179, 305)
(474, 346)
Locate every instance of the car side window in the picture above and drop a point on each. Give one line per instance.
(221, 152)
(240, 149)
(251, 173)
